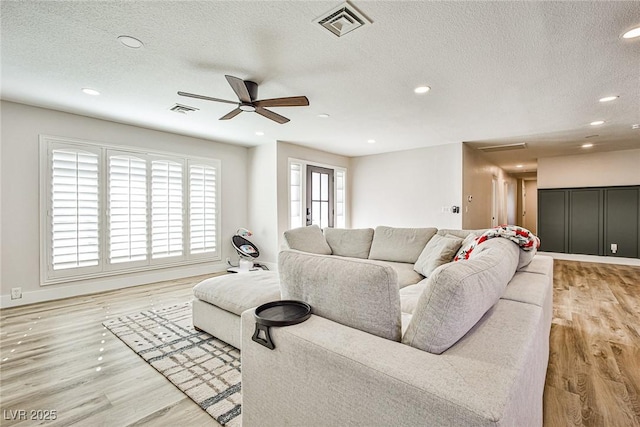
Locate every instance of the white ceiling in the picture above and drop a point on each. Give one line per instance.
(500, 72)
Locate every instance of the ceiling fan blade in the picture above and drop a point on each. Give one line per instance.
(206, 98)
(271, 115)
(240, 88)
(291, 101)
(231, 114)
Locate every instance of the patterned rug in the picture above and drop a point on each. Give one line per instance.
(201, 366)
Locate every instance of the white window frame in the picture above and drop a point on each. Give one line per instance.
(49, 277)
(303, 189)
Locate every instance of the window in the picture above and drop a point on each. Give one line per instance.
(74, 213)
(317, 195)
(109, 210)
(127, 209)
(166, 209)
(202, 208)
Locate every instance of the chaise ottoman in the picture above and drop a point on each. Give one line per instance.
(219, 301)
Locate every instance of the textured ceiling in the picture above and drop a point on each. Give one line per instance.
(500, 72)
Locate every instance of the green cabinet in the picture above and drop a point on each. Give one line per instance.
(591, 221)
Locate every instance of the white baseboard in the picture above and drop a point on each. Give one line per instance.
(593, 258)
(54, 292)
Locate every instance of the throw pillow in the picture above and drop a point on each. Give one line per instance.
(439, 250)
(465, 246)
(307, 239)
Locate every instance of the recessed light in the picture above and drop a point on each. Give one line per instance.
(597, 123)
(371, 141)
(259, 133)
(422, 89)
(632, 34)
(636, 126)
(323, 116)
(587, 145)
(609, 98)
(131, 42)
(89, 91)
(519, 166)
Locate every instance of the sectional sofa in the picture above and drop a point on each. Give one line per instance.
(400, 334)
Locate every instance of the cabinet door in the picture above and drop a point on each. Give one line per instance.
(552, 220)
(622, 221)
(585, 222)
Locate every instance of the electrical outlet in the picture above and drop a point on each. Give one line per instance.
(16, 293)
(614, 248)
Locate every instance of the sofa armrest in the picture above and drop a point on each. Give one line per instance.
(324, 373)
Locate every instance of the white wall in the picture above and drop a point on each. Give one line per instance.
(407, 188)
(590, 170)
(19, 181)
(263, 214)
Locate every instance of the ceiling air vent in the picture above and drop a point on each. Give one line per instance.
(342, 19)
(182, 109)
(505, 147)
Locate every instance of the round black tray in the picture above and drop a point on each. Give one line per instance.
(278, 313)
(282, 313)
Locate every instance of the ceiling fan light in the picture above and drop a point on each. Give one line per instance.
(248, 108)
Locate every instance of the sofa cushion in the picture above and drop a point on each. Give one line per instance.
(236, 293)
(439, 250)
(357, 293)
(399, 244)
(409, 296)
(406, 274)
(529, 288)
(458, 294)
(541, 264)
(354, 243)
(307, 239)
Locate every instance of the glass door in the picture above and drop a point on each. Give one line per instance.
(319, 208)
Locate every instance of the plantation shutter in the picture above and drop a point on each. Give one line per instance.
(74, 209)
(166, 209)
(202, 208)
(127, 209)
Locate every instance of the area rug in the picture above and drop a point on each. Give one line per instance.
(200, 365)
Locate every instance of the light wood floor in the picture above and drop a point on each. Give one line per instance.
(57, 356)
(593, 378)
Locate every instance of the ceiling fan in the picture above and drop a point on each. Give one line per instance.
(247, 92)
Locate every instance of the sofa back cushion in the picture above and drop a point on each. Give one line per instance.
(399, 244)
(458, 294)
(350, 242)
(307, 239)
(360, 294)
